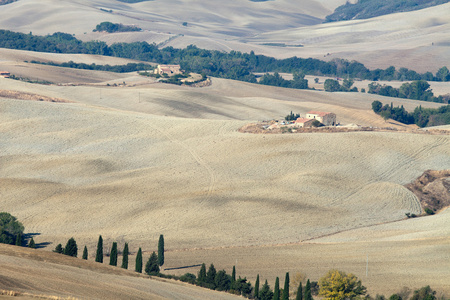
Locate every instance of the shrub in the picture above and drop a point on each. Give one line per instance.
(188, 277)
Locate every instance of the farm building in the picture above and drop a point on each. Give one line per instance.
(326, 118)
(168, 69)
(4, 74)
(303, 122)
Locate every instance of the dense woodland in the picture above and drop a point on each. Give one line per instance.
(365, 9)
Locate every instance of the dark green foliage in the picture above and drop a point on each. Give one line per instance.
(32, 244)
(308, 294)
(299, 81)
(315, 288)
(201, 278)
(138, 266)
(429, 211)
(125, 256)
(115, 27)
(395, 297)
(130, 67)
(19, 239)
(257, 287)
(331, 85)
(316, 123)
(59, 249)
(425, 293)
(243, 287)
(299, 292)
(85, 253)
(416, 90)
(265, 293)
(222, 281)
(71, 248)
(292, 116)
(276, 289)
(365, 9)
(376, 106)
(233, 274)
(151, 267)
(10, 228)
(161, 250)
(188, 277)
(286, 287)
(99, 255)
(113, 255)
(211, 277)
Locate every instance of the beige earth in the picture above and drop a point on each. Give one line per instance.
(142, 158)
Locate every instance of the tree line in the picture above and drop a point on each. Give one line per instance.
(416, 90)
(130, 67)
(115, 27)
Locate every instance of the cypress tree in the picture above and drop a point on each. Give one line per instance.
(265, 293)
(85, 253)
(31, 244)
(211, 277)
(113, 255)
(138, 267)
(201, 278)
(161, 250)
(233, 275)
(286, 287)
(125, 257)
(276, 289)
(299, 292)
(59, 249)
(99, 255)
(19, 239)
(257, 287)
(151, 267)
(308, 295)
(71, 248)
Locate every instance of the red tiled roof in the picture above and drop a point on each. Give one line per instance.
(302, 120)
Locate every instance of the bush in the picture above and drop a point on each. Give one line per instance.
(429, 211)
(188, 277)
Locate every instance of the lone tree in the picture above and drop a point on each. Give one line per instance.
(339, 285)
(85, 253)
(257, 287)
(99, 255)
(161, 250)
(286, 287)
(152, 268)
(276, 289)
(10, 228)
(59, 249)
(71, 248)
(125, 257)
(113, 255)
(32, 244)
(138, 266)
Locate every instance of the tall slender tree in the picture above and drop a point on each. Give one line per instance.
(276, 289)
(113, 255)
(125, 257)
(201, 278)
(308, 295)
(19, 239)
(138, 266)
(299, 292)
(161, 250)
(99, 255)
(286, 287)
(211, 277)
(85, 253)
(233, 278)
(257, 287)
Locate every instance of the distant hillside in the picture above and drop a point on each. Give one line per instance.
(3, 2)
(365, 9)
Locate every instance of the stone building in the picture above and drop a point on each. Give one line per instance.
(326, 118)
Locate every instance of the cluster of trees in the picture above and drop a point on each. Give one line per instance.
(11, 230)
(299, 81)
(130, 67)
(422, 117)
(115, 27)
(416, 90)
(331, 85)
(233, 65)
(365, 9)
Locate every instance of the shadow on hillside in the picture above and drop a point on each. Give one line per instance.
(27, 237)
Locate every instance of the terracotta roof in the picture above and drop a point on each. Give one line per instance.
(319, 113)
(302, 120)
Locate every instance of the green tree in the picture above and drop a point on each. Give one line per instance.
(113, 255)
(331, 85)
(99, 255)
(299, 292)
(425, 293)
(286, 287)
(339, 285)
(138, 266)
(201, 278)
(222, 281)
(19, 239)
(347, 84)
(125, 257)
(265, 293)
(443, 74)
(161, 250)
(376, 106)
(308, 294)
(211, 277)
(85, 253)
(395, 297)
(233, 274)
(151, 267)
(59, 249)
(32, 244)
(276, 289)
(71, 248)
(257, 287)
(9, 228)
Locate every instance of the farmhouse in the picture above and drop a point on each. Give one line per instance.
(326, 118)
(4, 74)
(303, 122)
(168, 69)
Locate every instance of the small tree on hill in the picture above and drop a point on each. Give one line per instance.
(32, 244)
(113, 255)
(276, 289)
(125, 257)
(71, 248)
(222, 281)
(59, 249)
(331, 85)
(161, 250)
(265, 293)
(425, 293)
(85, 253)
(257, 287)
(99, 255)
(152, 268)
(211, 277)
(286, 287)
(299, 292)
(308, 295)
(337, 284)
(138, 266)
(201, 278)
